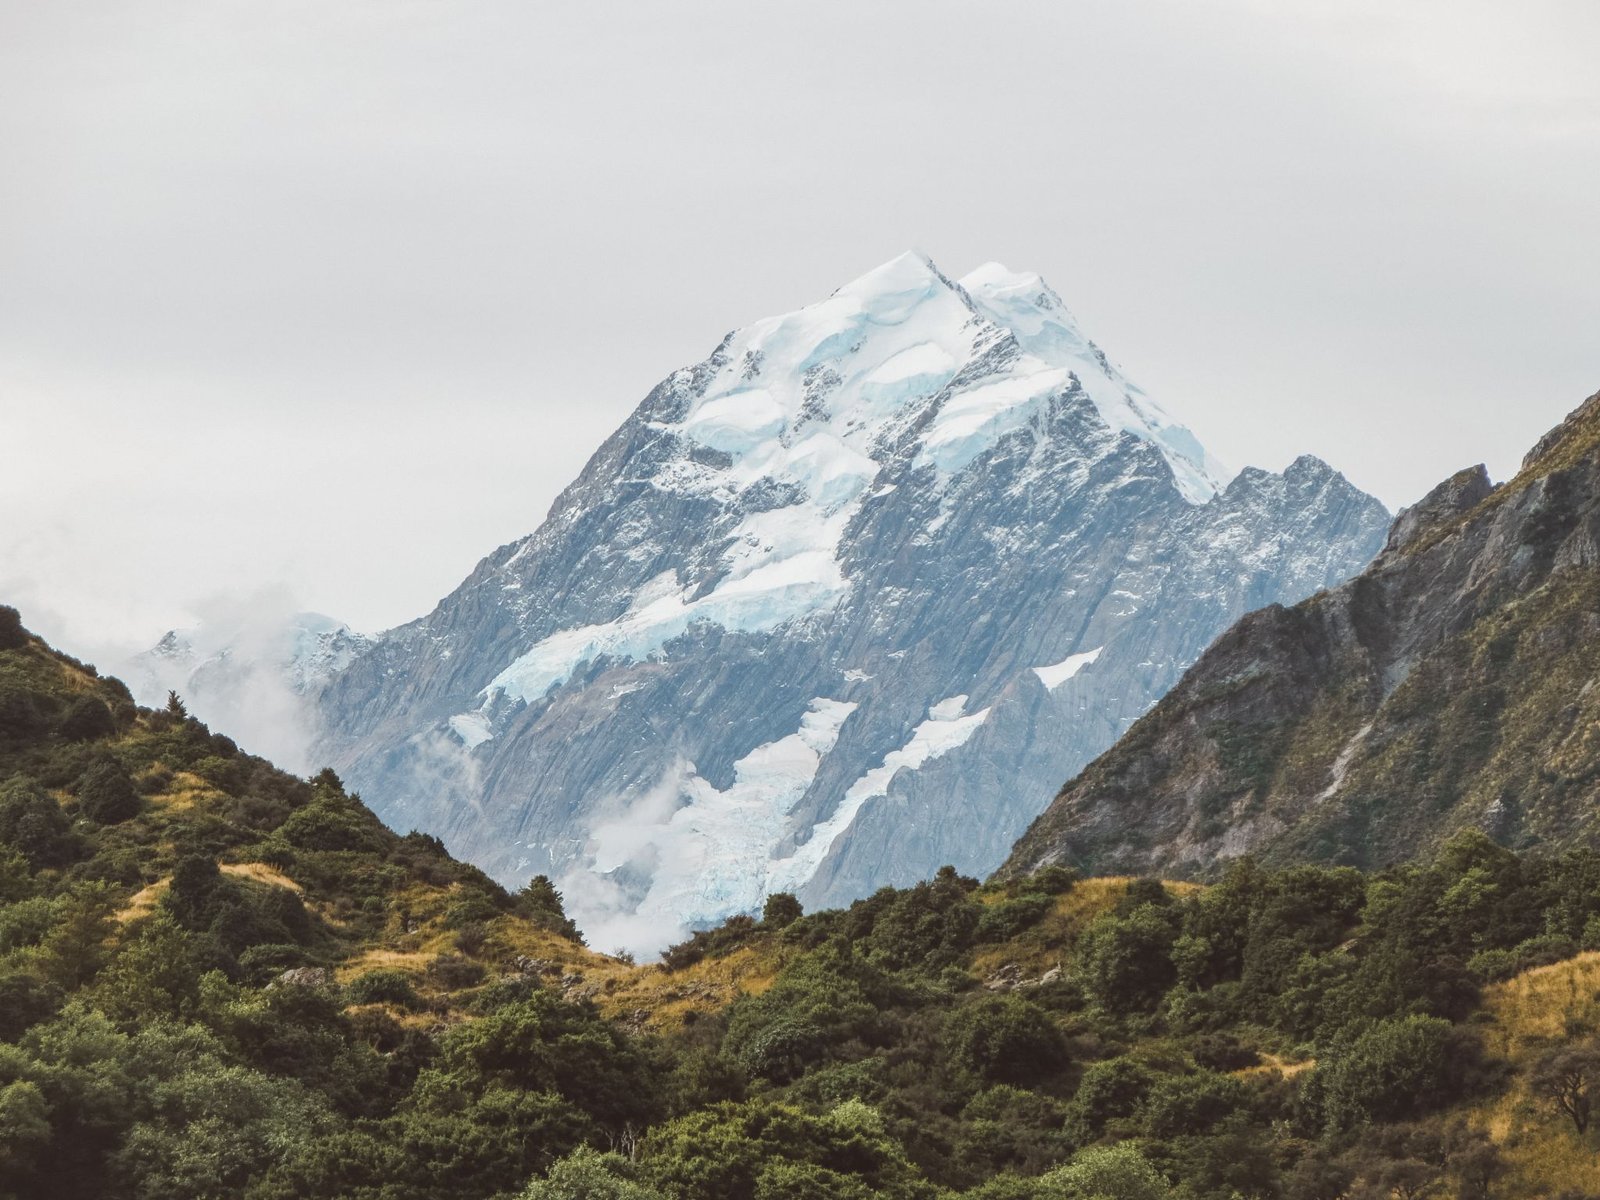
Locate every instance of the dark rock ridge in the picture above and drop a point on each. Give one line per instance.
(838, 605)
(1451, 684)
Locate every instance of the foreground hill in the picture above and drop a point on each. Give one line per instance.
(842, 603)
(1450, 685)
(217, 981)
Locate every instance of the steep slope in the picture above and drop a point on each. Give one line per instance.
(841, 603)
(1451, 684)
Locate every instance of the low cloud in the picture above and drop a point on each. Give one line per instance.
(232, 671)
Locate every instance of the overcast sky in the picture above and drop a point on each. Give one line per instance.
(322, 301)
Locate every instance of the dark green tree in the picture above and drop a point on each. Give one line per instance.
(542, 904)
(1006, 1039)
(106, 793)
(87, 719)
(12, 635)
(781, 910)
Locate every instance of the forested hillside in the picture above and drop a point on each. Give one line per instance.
(218, 980)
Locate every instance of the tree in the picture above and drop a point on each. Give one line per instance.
(74, 949)
(1473, 1158)
(1389, 1071)
(1567, 1077)
(1126, 961)
(1117, 1172)
(781, 910)
(1109, 1090)
(87, 718)
(33, 822)
(191, 897)
(12, 635)
(1006, 1039)
(106, 793)
(542, 904)
(586, 1174)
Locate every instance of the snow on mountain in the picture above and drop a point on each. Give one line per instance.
(250, 675)
(841, 603)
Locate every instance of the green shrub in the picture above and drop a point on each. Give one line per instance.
(1006, 1039)
(1004, 921)
(384, 987)
(87, 718)
(33, 823)
(1391, 1070)
(12, 635)
(781, 910)
(1126, 960)
(106, 793)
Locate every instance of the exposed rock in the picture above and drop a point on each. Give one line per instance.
(1449, 685)
(306, 977)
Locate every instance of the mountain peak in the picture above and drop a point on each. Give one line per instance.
(897, 284)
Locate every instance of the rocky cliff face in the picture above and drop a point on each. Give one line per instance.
(1453, 683)
(840, 604)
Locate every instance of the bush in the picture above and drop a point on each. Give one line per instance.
(12, 635)
(106, 793)
(1004, 921)
(452, 972)
(327, 824)
(1186, 1105)
(87, 718)
(781, 910)
(587, 1174)
(1392, 1070)
(1111, 1090)
(32, 822)
(384, 987)
(1006, 1039)
(1126, 961)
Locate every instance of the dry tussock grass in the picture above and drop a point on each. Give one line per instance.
(143, 902)
(259, 872)
(1524, 1014)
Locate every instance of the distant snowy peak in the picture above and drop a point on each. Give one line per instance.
(812, 395)
(303, 651)
(1024, 304)
(794, 420)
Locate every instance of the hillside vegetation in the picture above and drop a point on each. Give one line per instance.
(217, 980)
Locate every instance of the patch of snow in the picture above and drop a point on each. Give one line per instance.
(711, 849)
(931, 739)
(472, 728)
(1055, 674)
(1023, 303)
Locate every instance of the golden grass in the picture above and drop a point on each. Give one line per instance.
(706, 987)
(185, 792)
(259, 872)
(143, 902)
(1273, 1064)
(414, 962)
(1523, 1015)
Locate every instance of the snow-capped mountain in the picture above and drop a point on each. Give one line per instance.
(250, 676)
(844, 602)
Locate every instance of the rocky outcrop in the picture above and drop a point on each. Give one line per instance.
(1451, 684)
(836, 606)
